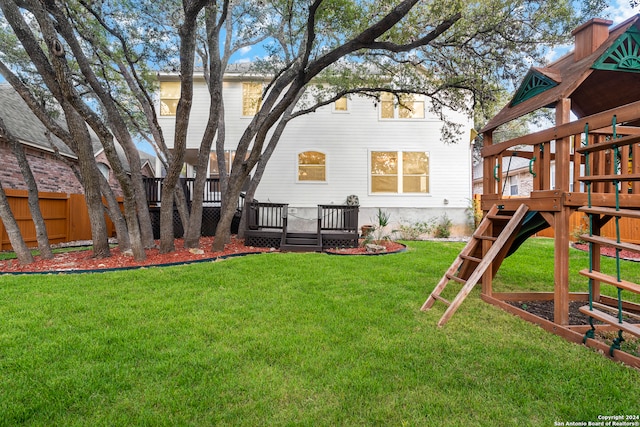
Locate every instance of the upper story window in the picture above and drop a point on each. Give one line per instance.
(251, 98)
(169, 97)
(341, 105)
(312, 166)
(399, 172)
(403, 107)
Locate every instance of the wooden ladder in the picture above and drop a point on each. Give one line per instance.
(470, 265)
(601, 311)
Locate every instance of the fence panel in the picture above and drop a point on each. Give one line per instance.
(66, 217)
(54, 208)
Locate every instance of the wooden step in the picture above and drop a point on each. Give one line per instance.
(609, 242)
(455, 278)
(439, 298)
(500, 217)
(482, 237)
(622, 284)
(300, 248)
(611, 320)
(627, 213)
(619, 142)
(471, 258)
(611, 178)
(480, 269)
(615, 309)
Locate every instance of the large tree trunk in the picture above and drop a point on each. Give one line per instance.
(113, 209)
(227, 211)
(15, 237)
(32, 188)
(90, 182)
(141, 234)
(187, 34)
(193, 231)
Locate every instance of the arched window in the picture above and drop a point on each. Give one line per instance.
(312, 166)
(104, 170)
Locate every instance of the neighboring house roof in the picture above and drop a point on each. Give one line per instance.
(597, 77)
(24, 125)
(29, 130)
(145, 158)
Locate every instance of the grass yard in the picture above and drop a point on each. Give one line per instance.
(296, 339)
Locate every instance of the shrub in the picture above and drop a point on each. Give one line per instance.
(443, 228)
(415, 230)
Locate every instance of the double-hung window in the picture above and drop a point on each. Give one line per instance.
(312, 166)
(251, 98)
(341, 105)
(404, 106)
(169, 97)
(400, 172)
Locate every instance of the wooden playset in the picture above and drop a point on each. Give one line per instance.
(588, 162)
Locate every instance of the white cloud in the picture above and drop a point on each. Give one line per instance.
(245, 50)
(620, 10)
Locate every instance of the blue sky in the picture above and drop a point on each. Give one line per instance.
(618, 11)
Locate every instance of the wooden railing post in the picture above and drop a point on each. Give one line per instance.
(561, 223)
(488, 184)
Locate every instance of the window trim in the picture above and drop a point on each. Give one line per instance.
(400, 174)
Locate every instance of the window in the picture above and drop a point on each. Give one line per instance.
(341, 105)
(406, 107)
(169, 97)
(312, 166)
(251, 98)
(399, 172)
(104, 170)
(511, 186)
(214, 172)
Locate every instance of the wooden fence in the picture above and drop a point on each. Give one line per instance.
(579, 224)
(66, 217)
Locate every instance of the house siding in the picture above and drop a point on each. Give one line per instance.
(347, 139)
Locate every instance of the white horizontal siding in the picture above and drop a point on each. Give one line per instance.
(347, 140)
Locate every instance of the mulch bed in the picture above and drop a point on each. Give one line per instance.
(83, 260)
(544, 310)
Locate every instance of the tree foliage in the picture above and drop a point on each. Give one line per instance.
(462, 55)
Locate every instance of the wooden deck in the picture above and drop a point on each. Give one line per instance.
(267, 226)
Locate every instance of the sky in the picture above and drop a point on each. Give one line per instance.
(618, 11)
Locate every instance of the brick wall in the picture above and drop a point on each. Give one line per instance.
(51, 174)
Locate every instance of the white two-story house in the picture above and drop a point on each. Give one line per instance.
(389, 156)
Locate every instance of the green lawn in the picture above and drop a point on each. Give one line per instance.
(295, 339)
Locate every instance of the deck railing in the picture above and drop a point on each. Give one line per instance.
(557, 156)
(338, 217)
(267, 216)
(153, 187)
(212, 194)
